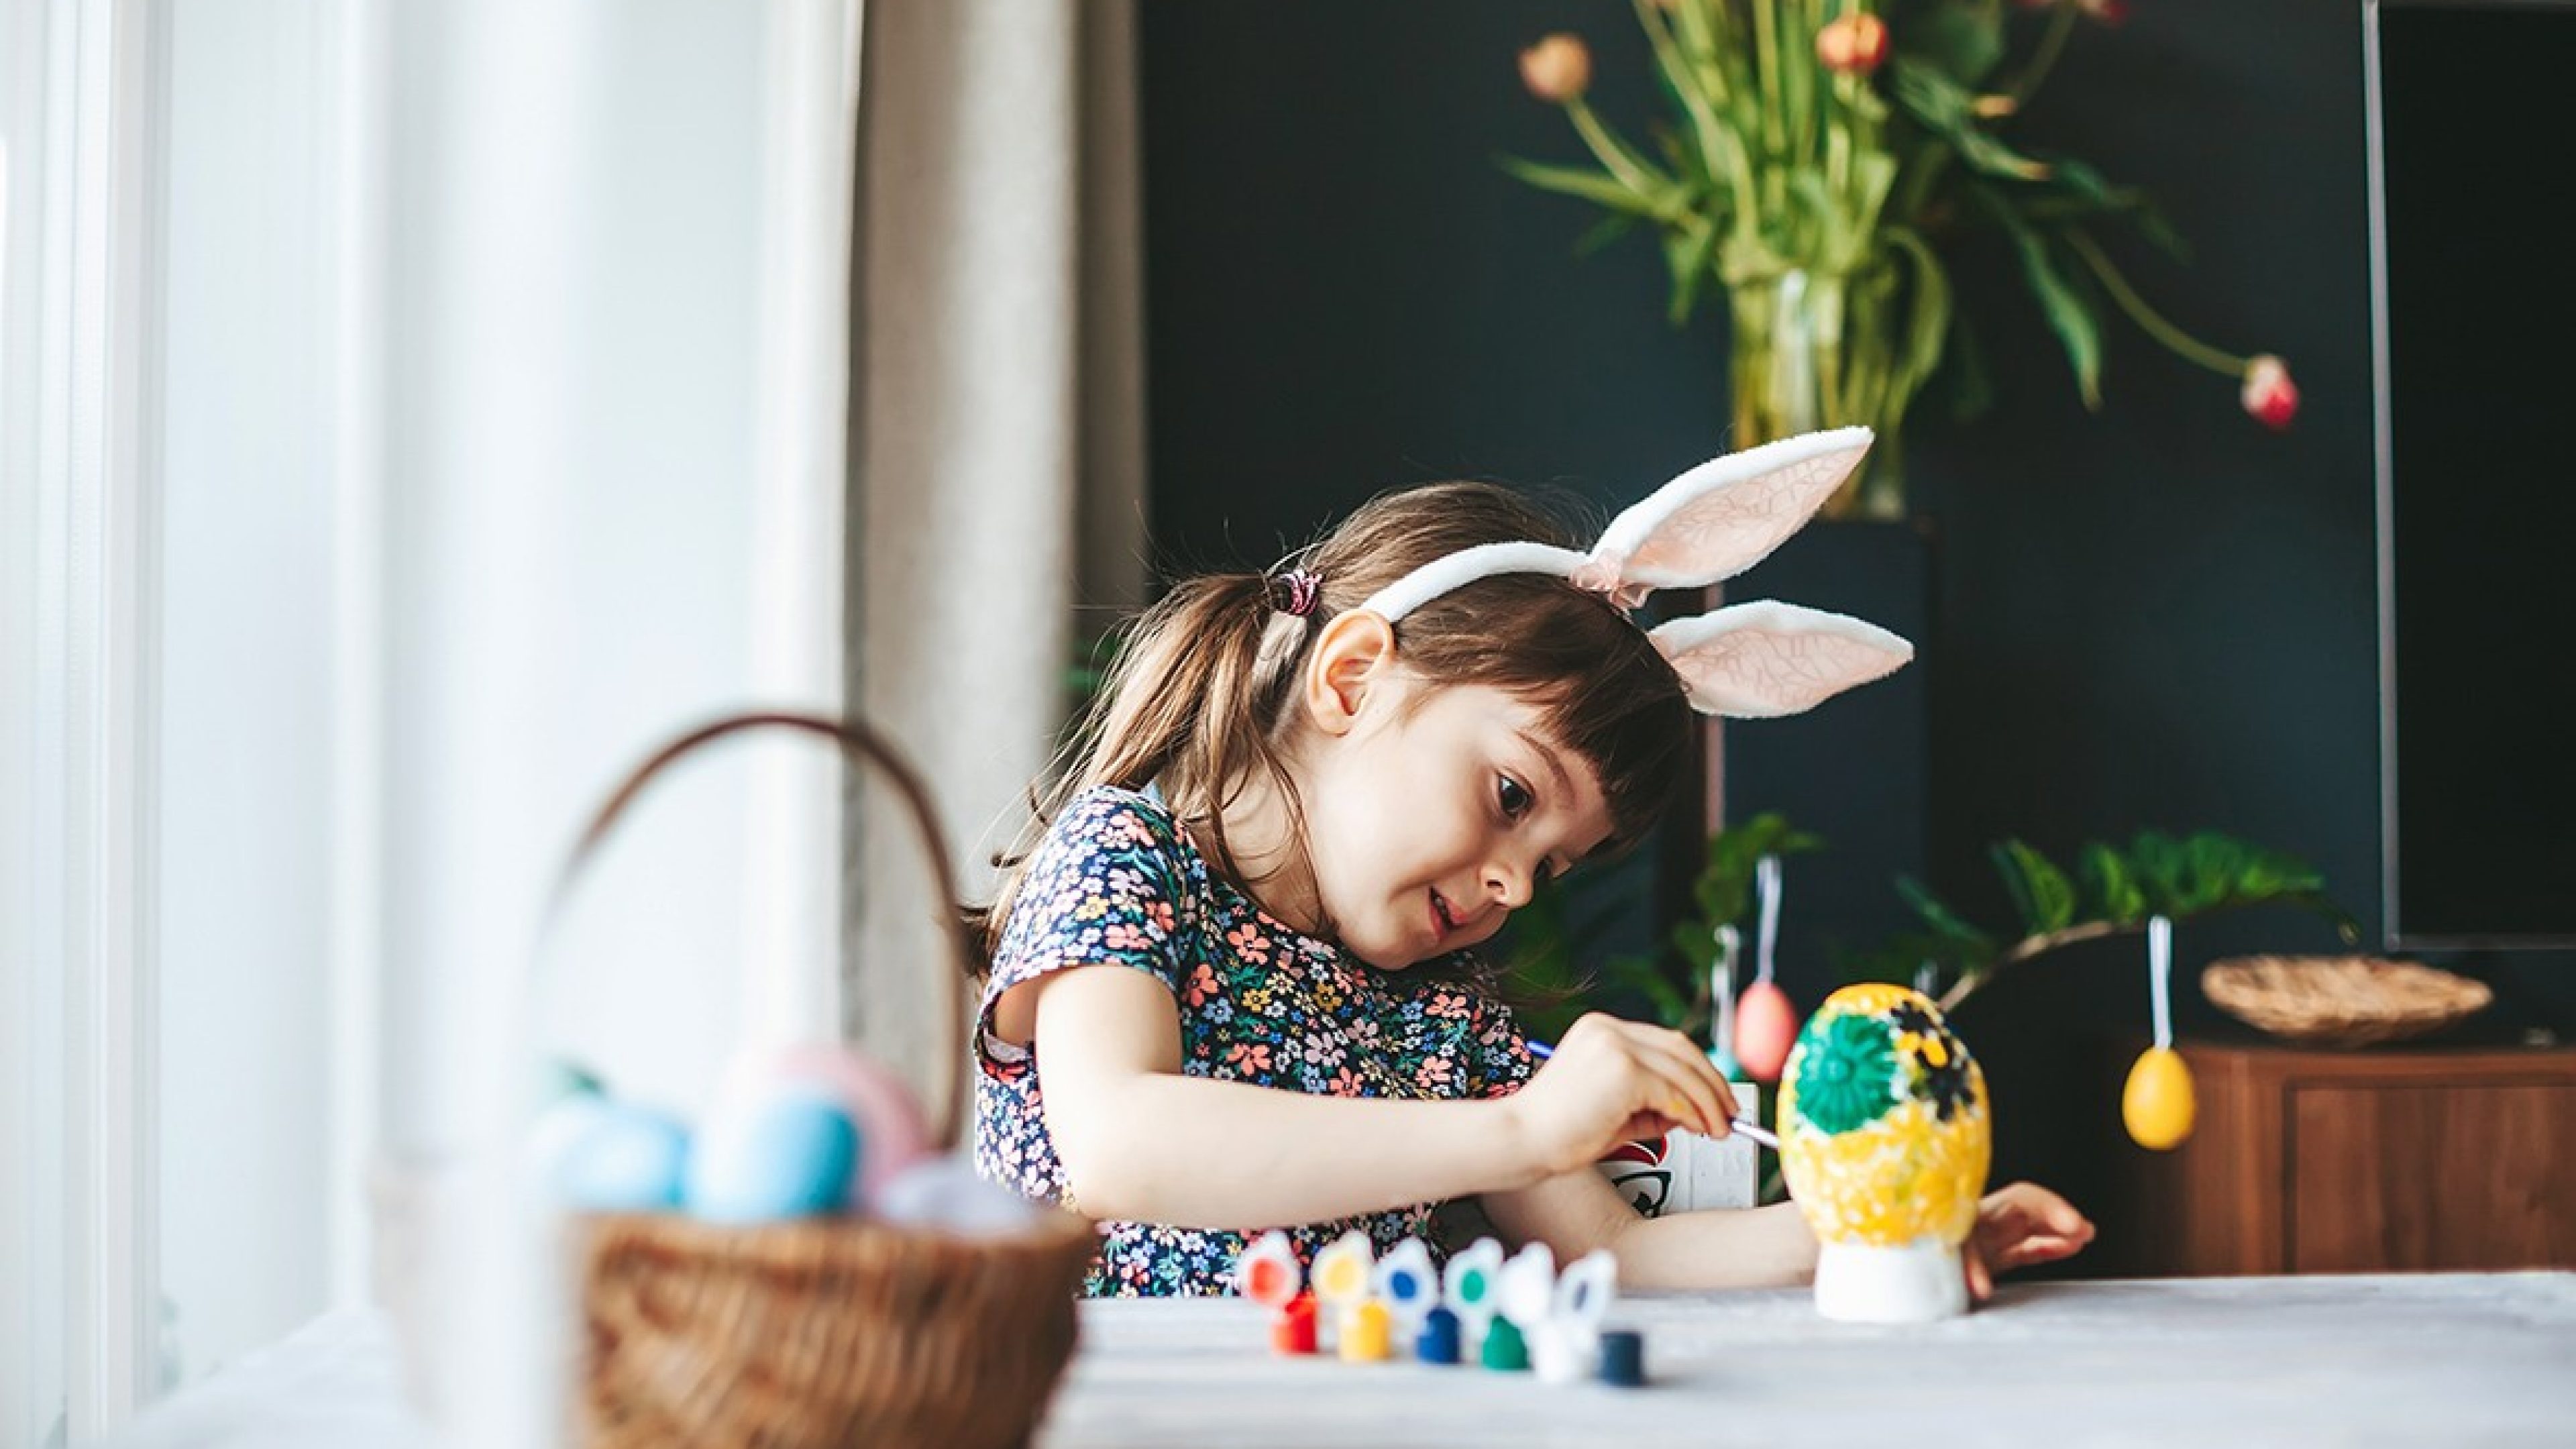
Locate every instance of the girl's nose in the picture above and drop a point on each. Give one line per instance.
(1510, 886)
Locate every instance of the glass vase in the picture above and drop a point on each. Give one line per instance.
(1815, 350)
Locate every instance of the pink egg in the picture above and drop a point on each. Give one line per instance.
(1766, 1026)
(889, 1117)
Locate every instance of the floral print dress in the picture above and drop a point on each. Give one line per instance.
(1116, 882)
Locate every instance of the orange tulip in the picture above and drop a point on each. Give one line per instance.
(1853, 44)
(1558, 69)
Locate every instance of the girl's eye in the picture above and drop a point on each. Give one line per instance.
(1515, 798)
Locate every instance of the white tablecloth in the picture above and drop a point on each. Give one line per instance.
(2432, 1360)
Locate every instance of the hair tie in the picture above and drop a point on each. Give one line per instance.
(1303, 588)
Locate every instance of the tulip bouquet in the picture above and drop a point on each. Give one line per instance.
(1820, 157)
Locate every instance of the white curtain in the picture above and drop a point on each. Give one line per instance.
(998, 434)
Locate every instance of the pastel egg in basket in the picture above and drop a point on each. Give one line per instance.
(1885, 1139)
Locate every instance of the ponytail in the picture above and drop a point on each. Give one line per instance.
(1193, 700)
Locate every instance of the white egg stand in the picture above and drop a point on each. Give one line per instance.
(1919, 1282)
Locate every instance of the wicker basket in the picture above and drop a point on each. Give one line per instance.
(2341, 1000)
(832, 1331)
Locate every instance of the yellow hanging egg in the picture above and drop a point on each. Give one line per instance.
(2157, 1104)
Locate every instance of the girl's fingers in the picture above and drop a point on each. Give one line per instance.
(2024, 1223)
(2034, 1201)
(1692, 1102)
(1643, 1125)
(1981, 1283)
(2038, 1248)
(1680, 1061)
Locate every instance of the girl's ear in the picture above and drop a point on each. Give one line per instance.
(1355, 651)
(1766, 659)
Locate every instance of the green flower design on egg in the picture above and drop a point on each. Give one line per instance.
(1846, 1075)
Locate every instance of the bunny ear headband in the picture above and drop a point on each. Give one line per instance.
(1750, 661)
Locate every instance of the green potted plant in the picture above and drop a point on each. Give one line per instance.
(2113, 890)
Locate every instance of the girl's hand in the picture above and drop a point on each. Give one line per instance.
(1613, 1081)
(2018, 1225)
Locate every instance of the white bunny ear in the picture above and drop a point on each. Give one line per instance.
(1728, 514)
(1766, 659)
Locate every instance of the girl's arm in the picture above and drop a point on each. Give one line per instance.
(1142, 1142)
(1576, 1212)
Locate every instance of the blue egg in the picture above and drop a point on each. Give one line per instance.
(616, 1157)
(788, 1155)
(558, 1132)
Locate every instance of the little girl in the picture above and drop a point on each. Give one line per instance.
(1234, 984)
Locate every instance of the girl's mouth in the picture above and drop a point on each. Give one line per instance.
(1441, 922)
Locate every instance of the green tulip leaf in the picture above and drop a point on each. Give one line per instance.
(2068, 313)
(1687, 252)
(1593, 186)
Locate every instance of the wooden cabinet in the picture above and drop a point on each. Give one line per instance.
(2384, 1160)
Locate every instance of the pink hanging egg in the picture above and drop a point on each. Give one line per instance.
(888, 1116)
(1766, 1026)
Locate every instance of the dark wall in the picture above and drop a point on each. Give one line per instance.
(2161, 615)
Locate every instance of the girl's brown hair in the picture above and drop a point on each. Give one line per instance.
(1198, 699)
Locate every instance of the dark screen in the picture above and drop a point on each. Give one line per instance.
(2479, 155)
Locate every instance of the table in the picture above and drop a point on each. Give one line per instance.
(2436, 1359)
(2451, 1360)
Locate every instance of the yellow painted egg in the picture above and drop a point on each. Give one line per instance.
(1766, 1026)
(1885, 1139)
(2157, 1103)
(1884, 1131)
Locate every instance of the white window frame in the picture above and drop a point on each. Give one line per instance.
(83, 354)
(83, 208)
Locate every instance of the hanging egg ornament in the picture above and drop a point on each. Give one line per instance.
(1721, 994)
(2158, 1105)
(1885, 1141)
(1766, 1027)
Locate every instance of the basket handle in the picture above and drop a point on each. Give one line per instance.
(866, 748)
